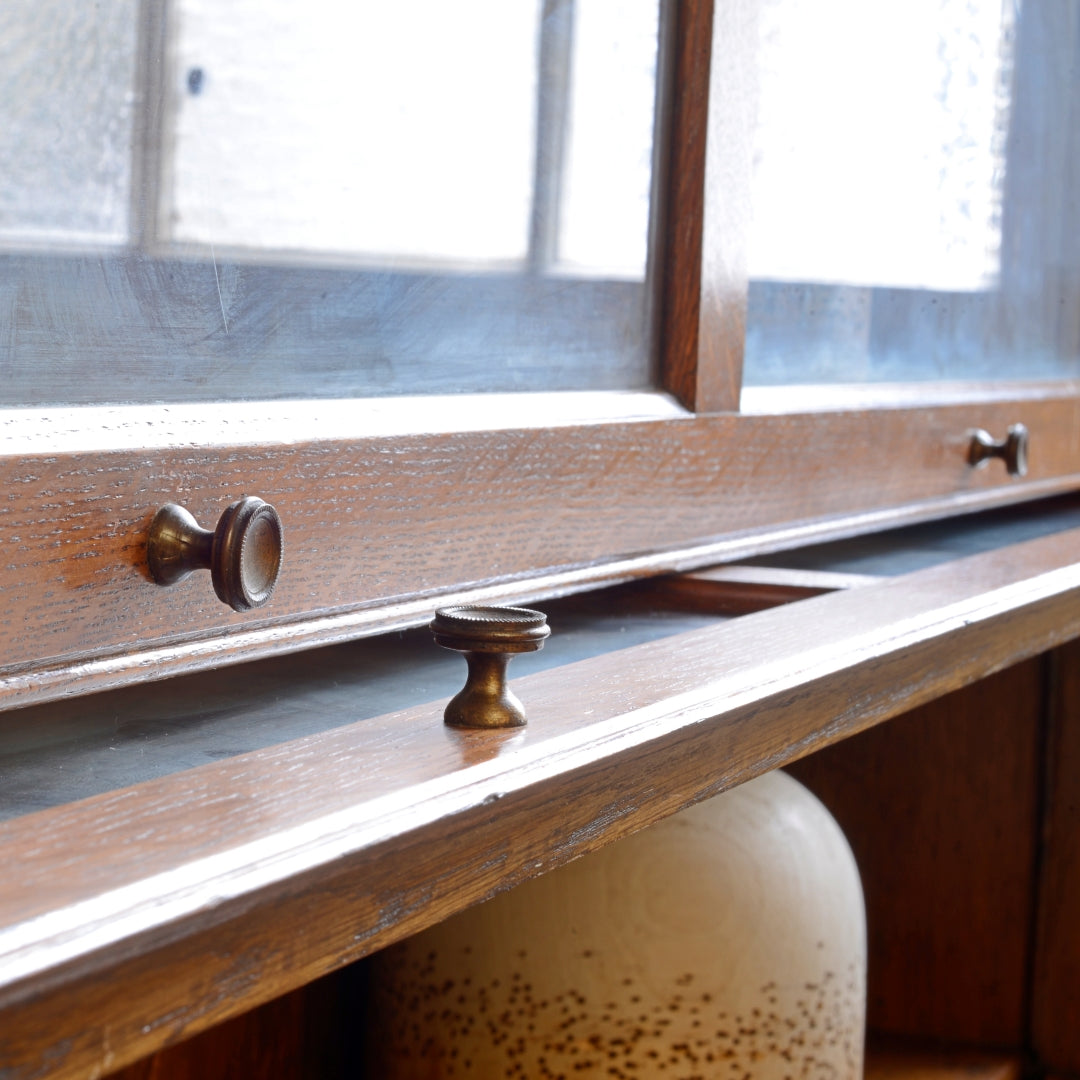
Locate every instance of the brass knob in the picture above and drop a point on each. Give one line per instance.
(489, 637)
(243, 554)
(1013, 449)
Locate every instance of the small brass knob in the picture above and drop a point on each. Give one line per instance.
(489, 637)
(243, 554)
(1013, 449)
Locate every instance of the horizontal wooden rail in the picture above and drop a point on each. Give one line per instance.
(390, 513)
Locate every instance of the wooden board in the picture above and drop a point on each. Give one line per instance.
(941, 809)
(309, 1034)
(381, 529)
(905, 1064)
(1055, 1017)
(710, 136)
(146, 915)
(738, 590)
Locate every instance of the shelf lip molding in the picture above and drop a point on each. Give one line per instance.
(144, 915)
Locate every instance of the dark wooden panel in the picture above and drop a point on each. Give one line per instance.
(1056, 990)
(711, 162)
(687, 124)
(940, 807)
(739, 590)
(144, 916)
(902, 1063)
(311, 1034)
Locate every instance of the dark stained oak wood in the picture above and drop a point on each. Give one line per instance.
(145, 915)
(941, 809)
(711, 161)
(380, 529)
(738, 590)
(728, 172)
(687, 125)
(941, 1064)
(309, 1034)
(1055, 1017)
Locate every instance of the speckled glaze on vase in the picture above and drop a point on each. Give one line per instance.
(728, 941)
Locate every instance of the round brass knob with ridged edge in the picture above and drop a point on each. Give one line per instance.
(243, 553)
(489, 637)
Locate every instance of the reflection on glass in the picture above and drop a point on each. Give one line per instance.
(911, 210)
(262, 199)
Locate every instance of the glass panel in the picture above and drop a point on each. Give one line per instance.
(67, 80)
(345, 145)
(265, 199)
(914, 178)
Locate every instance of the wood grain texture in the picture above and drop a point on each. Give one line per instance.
(684, 190)
(907, 1064)
(941, 809)
(710, 165)
(148, 914)
(309, 1034)
(729, 165)
(1055, 1019)
(739, 590)
(380, 530)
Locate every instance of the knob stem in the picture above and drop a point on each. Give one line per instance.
(1013, 449)
(489, 638)
(243, 553)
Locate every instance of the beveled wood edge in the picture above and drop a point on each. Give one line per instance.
(94, 429)
(683, 187)
(710, 164)
(740, 590)
(897, 1059)
(784, 577)
(667, 723)
(729, 170)
(839, 397)
(32, 685)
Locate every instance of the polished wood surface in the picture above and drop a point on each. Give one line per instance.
(148, 914)
(384, 529)
(684, 192)
(904, 1064)
(310, 1034)
(941, 808)
(738, 590)
(711, 162)
(1056, 984)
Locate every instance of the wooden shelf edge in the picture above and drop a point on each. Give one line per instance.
(145, 915)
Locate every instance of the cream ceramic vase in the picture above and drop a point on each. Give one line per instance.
(728, 941)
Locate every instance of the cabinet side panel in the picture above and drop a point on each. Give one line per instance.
(940, 807)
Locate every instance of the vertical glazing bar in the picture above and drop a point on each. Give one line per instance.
(708, 196)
